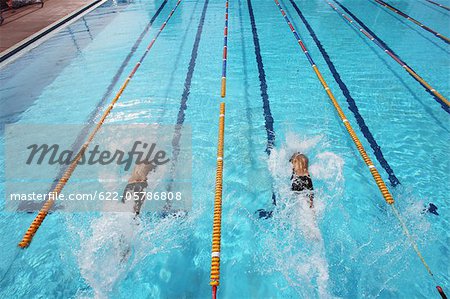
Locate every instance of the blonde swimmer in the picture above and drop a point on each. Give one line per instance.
(301, 180)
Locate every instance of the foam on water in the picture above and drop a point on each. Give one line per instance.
(292, 237)
(114, 244)
(105, 250)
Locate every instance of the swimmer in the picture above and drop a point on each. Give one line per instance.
(301, 181)
(135, 190)
(137, 183)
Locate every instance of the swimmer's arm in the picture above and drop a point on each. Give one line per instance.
(140, 173)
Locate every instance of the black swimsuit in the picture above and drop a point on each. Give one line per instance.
(301, 183)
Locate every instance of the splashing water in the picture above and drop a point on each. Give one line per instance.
(292, 240)
(103, 255)
(115, 244)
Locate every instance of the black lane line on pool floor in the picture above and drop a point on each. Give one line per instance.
(268, 119)
(361, 23)
(32, 206)
(181, 50)
(183, 102)
(413, 27)
(350, 100)
(187, 90)
(126, 61)
(246, 87)
(191, 68)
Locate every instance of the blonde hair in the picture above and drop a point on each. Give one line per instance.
(302, 159)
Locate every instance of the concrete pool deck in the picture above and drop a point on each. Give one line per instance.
(21, 23)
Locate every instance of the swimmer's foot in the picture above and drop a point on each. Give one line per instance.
(264, 214)
(431, 209)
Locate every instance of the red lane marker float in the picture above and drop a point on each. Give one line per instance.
(388, 6)
(28, 237)
(392, 55)
(441, 292)
(225, 53)
(438, 4)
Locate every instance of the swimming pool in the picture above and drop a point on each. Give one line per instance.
(355, 249)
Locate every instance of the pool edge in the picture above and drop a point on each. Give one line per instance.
(15, 51)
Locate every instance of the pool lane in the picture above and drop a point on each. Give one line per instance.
(90, 122)
(372, 168)
(42, 214)
(350, 100)
(445, 104)
(268, 119)
(397, 11)
(439, 5)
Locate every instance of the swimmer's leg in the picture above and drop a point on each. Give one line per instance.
(311, 200)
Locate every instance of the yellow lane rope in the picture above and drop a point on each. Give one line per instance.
(383, 47)
(373, 170)
(217, 221)
(27, 238)
(390, 7)
(378, 180)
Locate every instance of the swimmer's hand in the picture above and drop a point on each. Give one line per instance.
(127, 192)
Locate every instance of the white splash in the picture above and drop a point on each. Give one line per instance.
(294, 239)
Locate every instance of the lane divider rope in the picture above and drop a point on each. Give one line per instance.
(24, 205)
(364, 128)
(403, 64)
(390, 7)
(225, 54)
(373, 170)
(217, 221)
(27, 238)
(438, 4)
(380, 183)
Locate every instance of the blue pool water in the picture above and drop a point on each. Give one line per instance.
(354, 249)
